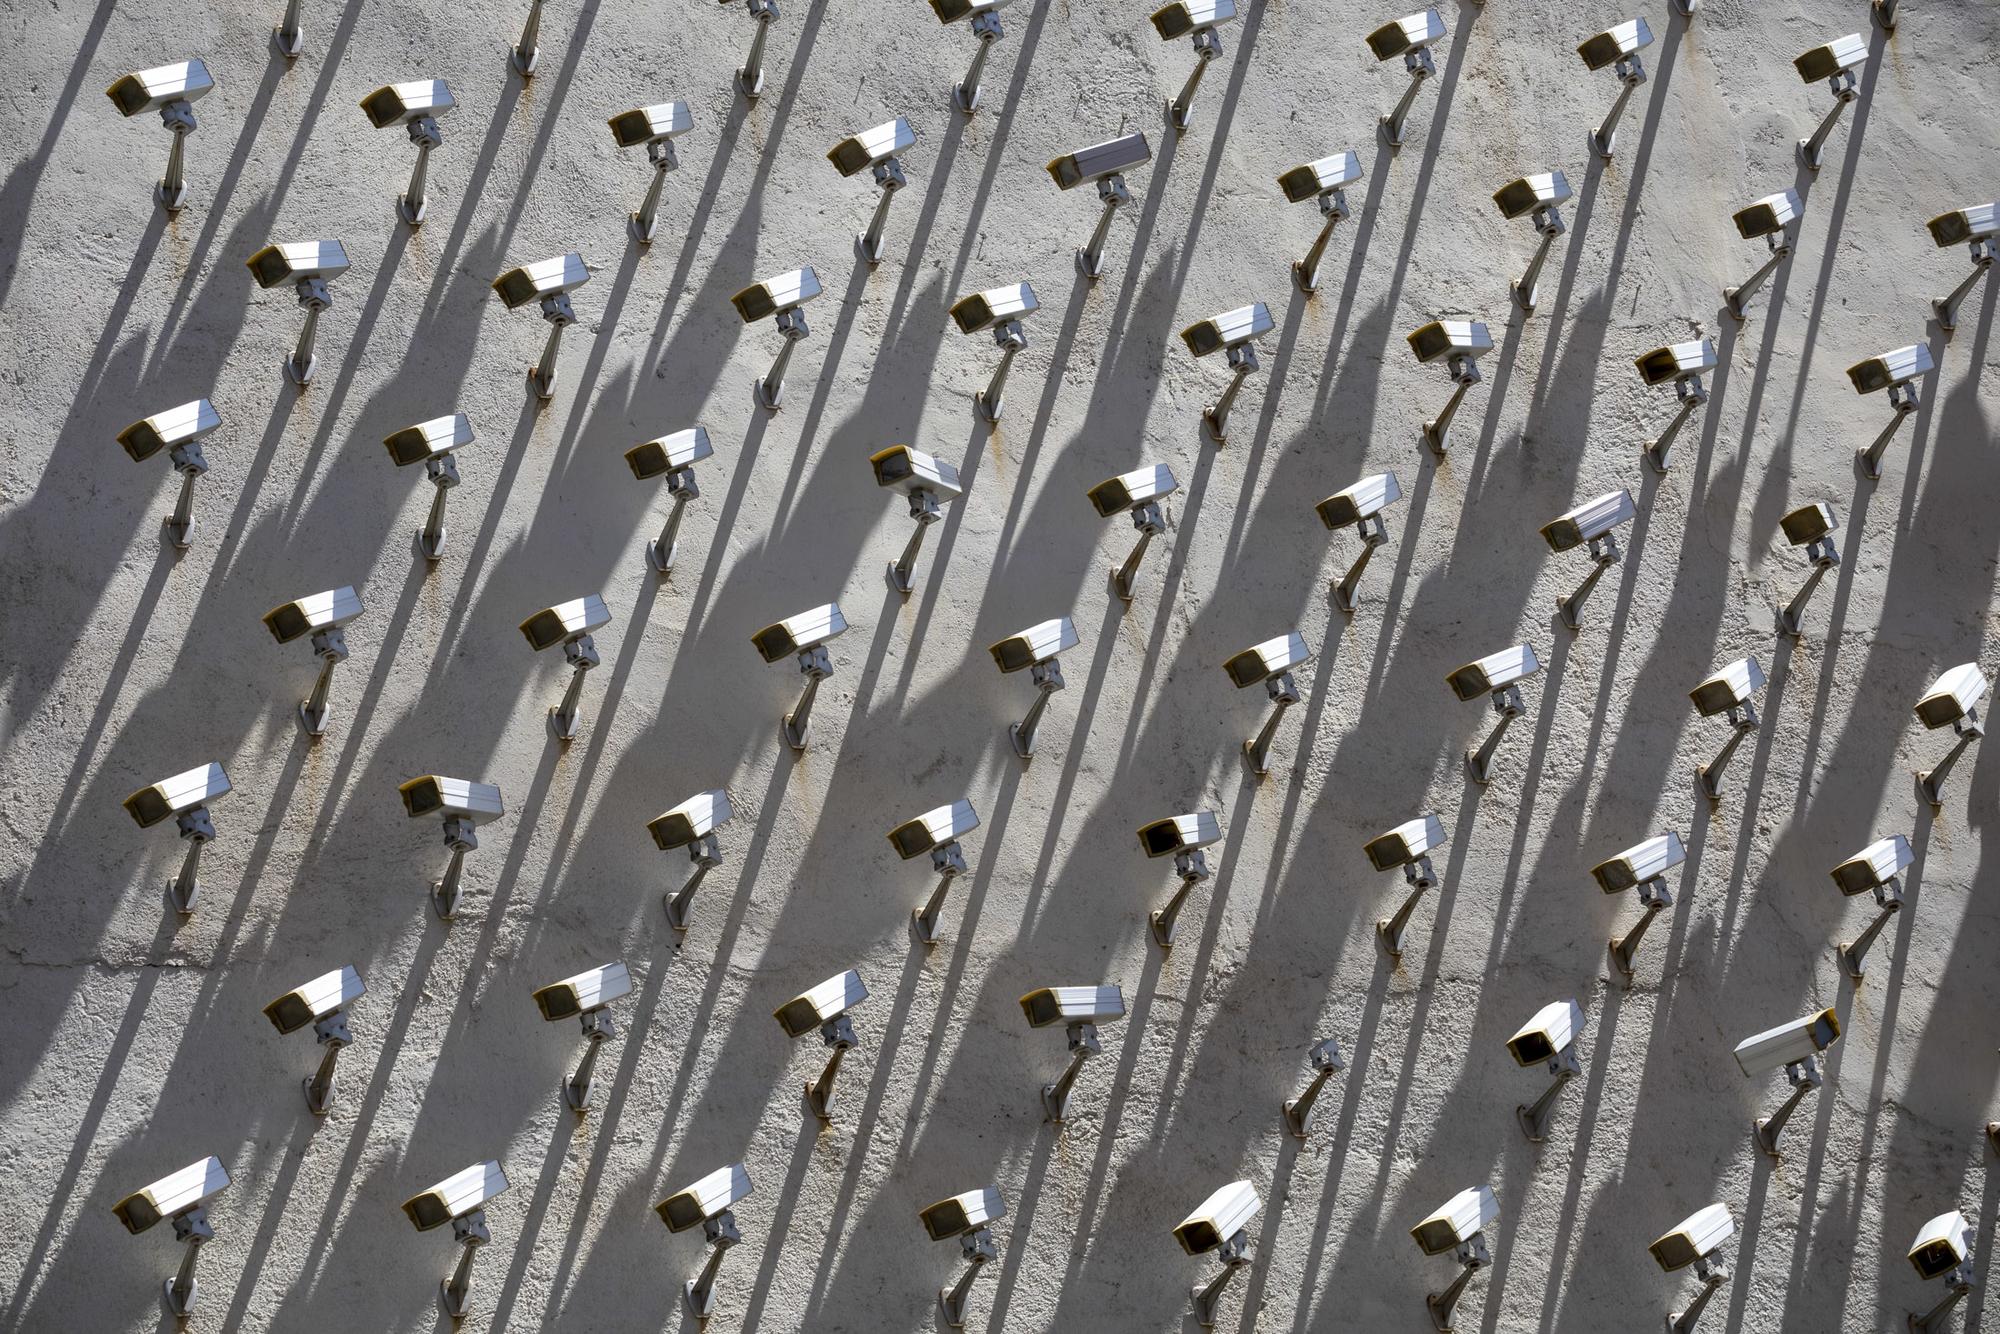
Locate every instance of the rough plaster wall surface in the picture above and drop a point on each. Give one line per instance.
(134, 1044)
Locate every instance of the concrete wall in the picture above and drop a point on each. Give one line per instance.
(134, 1044)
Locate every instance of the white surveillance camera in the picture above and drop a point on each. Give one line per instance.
(1619, 48)
(323, 616)
(1460, 1227)
(434, 444)
(569, 624)
(1269, 663)
(804, 637)
(1080, 1010)
(1217, 1225)
(708, 1202)
(1460, 344)
(1772, 218)
(1233, 331)
(172, 91)
(1942, 1245)
(460, 1200)
(1409, 846)
(179, 431)
(1325, 179)
(1698, 1241)
(182, 1196)
(1836, 62)
(1898, 372)
(1873, 869)
(1361, 505)
(1977, 226)
(1811, 527)
(415, 105)
(322, 1003)
(1808, 525)
(1795, 1047)
(1591, 525)
(585, 997)
(875, 148)
(999, 310)
(936, 832)
(1411, 38)
(1732, 692)
(969, 1218)
(692, 825)
(1682, 365)
(1540, 197)
(1104, 164)
(465, 805)
(782, 295)
(1951, 701)
(986, 26)
(1184, 836)
(1644, 866)
(1548, 1038)
(1139, 493)
(549, 283)
(656, 127)
(1198, 19)
(929, 483)
(307, 265)
(1035, 650)
(673, 457)
(824, 1007)
(185, 797)
(1497, 676)
(1325, 1059)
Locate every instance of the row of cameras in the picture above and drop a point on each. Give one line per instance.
(1943, 1248)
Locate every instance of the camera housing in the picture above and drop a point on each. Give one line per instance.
(1640, 863)
(403, 103)
(993, 307)
(776, 295)
(1185, 16)
(1532, 194)
(1406, 844)
(1047, 1006)
(1463, 1217)
(1891, 369)
(1271, 658)
(668, 453)
(1553, 1028)
(541, 280)
(1231, 329)
(1769, 215)
(1180, 833)
(429, 440)
(1952, 697)
(1144, 485)
(1589, 521)
(1874, 866)
(173, 1194)
(1495, 671)
(1942, 1245)
(1677, 362)
(172, 429)
(459, 1194)
(178, 795)
(1308, 180)
(1035, 645)
(796, 634)
(1407, 34)
(592, 989)
(1733, 687)
(912, 472)
(1836, 57)
(321, 998)
(1808, 524)
(1365, 499)
(1100, 162)
(696, 818)
(1788, 1043)
(297, 261)
(963, 1215)
(565, 622)
(1218, 1218)
(708, 1198)
(858, 152)
(1978, 222)
(152, 89)
(1450, 338)
(821, 1005)
(313, 614)
(1615, 43)
(453, 798)
(1700, 1234)
(647, 125)
(933, 829)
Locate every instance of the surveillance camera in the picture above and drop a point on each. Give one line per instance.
(1106, 165)
(1811, 527)
(1943, 1244)
(1978, 226)
(692, 825)
(322, 1003)
(1411, 38)
(1788, 1044)
(1035, 650)
(548, 282)
(1836, 62)
(1198, 18)
(708, 1202)
(824, 1007)
(585, 997)
(1619, 48)
(1139, 493)
(1614, 44)
(1772, 218)
(323, 616)
(172, 91)
(1461, 343)
(465, 805)
(969, 1218)
(1698, 1241)
(673, 457)
(875, 148)
(569, 624)
(935, 832)
(1361, 505)
(1184, 836)
(1270, 663)
(1325, 179)
(432, 444)
(986, 26)
(179, 431)
(415, 105)
(1464, 1216)
(1409, 846)
(307, 265)
(656, 127)
(1681, 365)
(1730, 690)
(183, 1197)
(928, 482)
(1809, 524)
(1874, 866)
(1217, 1224)
(805, 637)
(1080, 1010)
(1951, 701)
(1891, 370)
(1591, 524)
(1494, 672)
(1000, 310)
(1641, 864)
(185, 796)
(1554, 1027)
(459, 1200)
(1540, 196)
(1232, 330)
(781, 295)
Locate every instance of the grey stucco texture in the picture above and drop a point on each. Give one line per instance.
(132, 1043)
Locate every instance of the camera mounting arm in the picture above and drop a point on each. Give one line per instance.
(1234, 1255)
(1257, 751)
(1465, 373)
(948, 860)
(1150, 523)
(1373, 532)
(1083, 1045)
(1653, 896)
(1931, 782)
(1780, 245)
(1805, 1076)
(1742, 721)
(1889, 898)
(792, 324)
(1207, 46)
(192, 1230)
(1332, 207)
(1421, 67)
(1604, 553)
(681, 488)
(1420, 877)
(1048, 678)
(1507, 704)
(581, 654)
(461, 837)
(196, 828)
(470, 1232)
(838, 1034)
(1713, 1274)
(1011, 337)
(1192, 867)
(706, 853)
(1090, 259)
(979, 1251)
(1984, 250)
(816, 665)
(1472, 1254)
(1631, 72)
(721, 1233)
(986, 27)
(597, 1026)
